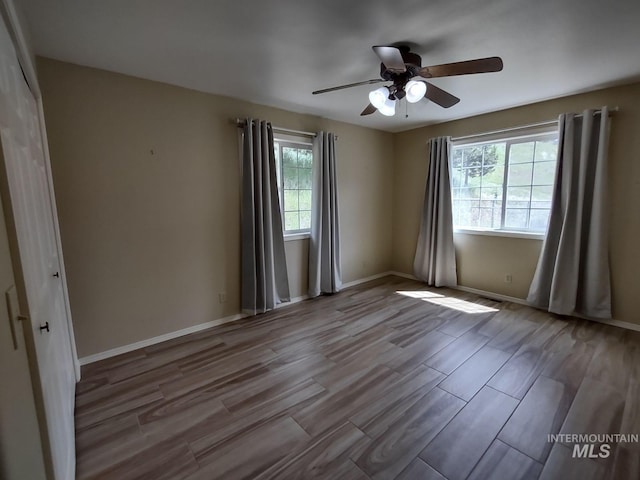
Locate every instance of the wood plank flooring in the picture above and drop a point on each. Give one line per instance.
(386, 380)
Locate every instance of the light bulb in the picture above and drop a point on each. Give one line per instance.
(378, 97)
(415, 91)
(388, 108)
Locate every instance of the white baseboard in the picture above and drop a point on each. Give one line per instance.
(301, 298)
(365, 279)
(522, 301)
(404, 275)
(160, 338)
(491, 295)
(482, 293)
(171, 335)
(220, 321)
(614, 322)
(248, 313)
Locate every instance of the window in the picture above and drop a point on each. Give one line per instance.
(294, 169)
(504, 184)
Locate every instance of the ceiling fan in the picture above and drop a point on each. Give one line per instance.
(400, 66)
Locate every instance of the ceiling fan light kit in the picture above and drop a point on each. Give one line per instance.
(381, 99)
(415, 91)
(399, 66)
(389, 108)
(385, 101)
(378, 96)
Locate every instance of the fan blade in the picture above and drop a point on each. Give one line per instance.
(439, 96)
(368, 111)
(392, 58)
(480, 65)
(366, 82)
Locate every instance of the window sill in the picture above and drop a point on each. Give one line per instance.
(500, 233)
(296, 236)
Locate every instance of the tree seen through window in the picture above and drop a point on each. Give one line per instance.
(504, 184)
(295, 163)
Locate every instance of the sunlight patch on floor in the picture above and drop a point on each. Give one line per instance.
(449, 302)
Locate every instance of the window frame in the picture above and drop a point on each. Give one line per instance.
(301, 143)
(520, 137)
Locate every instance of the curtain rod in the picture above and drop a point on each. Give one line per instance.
(548, 123)
(241, 122)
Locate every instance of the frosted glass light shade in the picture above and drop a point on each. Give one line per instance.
(415, 91)
(378, 97)
(389, 108)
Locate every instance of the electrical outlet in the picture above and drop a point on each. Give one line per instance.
(222, 297)
(508, 278)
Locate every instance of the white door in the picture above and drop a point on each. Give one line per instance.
(32, 210)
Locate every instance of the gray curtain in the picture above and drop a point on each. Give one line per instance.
(435, 260)
(572, 275)
(324, 245)
(264, 268)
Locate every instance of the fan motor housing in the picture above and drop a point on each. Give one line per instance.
(412, 61)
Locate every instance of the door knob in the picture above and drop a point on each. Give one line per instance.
(57, 274)
(44, 327)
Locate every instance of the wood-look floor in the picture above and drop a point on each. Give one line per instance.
(389, 379)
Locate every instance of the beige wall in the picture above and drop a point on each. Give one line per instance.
(483, 260)
(151, 239)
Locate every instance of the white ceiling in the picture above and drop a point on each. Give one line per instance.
(276, 52)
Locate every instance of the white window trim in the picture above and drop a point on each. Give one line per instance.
(500, 233)
(507, 133)
(507, 136)
(295, 140)
(289, 237)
